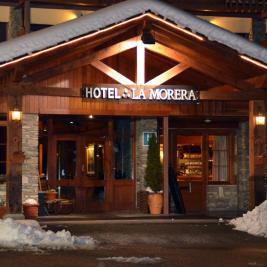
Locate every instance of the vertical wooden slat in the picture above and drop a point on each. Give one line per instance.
(166, 165)
(140, 79)
(257, 135)
(14, 171)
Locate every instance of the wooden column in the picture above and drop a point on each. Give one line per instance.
(166, 164)
(257, 135)
(109, 166)
(15, 159)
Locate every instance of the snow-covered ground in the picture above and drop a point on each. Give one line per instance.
(27, 234)
(253, 222)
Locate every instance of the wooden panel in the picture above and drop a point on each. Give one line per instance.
(193, 198)
(75, 105)
(124, 192)
(3, 104)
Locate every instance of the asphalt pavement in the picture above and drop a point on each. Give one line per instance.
(169, 242)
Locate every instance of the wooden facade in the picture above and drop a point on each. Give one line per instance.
(49, 84)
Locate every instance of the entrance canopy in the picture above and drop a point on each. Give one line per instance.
(187, 50)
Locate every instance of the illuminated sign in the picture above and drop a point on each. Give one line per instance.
(118, 92)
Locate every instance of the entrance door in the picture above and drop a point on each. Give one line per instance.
(190, 171)
(91, 192)
(96, 173)
(77, 170)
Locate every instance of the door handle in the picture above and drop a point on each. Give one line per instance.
(190, 187)
(83, 168)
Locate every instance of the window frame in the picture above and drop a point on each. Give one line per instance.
(230, 139)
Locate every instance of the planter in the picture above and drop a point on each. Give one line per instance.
(155, 203)
(3, 210)
(30, 211)
(50, 195)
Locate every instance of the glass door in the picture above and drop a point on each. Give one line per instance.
(189, 162)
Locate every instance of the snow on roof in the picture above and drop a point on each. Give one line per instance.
(114, 14)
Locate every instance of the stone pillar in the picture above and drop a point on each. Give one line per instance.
(30, 172)
(258, 29)
(243, 166)
(19, 20)
(142, 125)
(15, 24)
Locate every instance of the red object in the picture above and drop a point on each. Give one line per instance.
(3, 210)
(30, 211)
(50, 195)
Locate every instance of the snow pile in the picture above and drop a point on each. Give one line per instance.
(143, 260)
(29, 234)
(253, 222)
(30, 201)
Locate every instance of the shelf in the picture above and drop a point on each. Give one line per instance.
(189, 164)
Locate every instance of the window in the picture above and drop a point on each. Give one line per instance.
(122, 149)
(95, 160)
(3, 150)
(66, 159)
(218, 158)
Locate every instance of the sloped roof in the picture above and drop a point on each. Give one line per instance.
(117, 13)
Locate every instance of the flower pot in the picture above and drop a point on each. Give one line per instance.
(30, 211)
(50, 195)
(3, 210)
(155, 203)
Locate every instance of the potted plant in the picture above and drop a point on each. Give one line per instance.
(30, 209)
(153, 176)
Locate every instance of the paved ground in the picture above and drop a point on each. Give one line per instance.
(177, 242)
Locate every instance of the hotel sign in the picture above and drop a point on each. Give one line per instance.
(119, 92)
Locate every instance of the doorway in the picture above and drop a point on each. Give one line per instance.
(90, 162)
(190, 171)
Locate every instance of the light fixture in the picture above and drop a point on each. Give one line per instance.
(260, 119)
(147, 37)
(91, 116)
(16, 114)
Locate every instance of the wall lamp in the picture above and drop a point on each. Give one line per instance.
(16, 114)
(260, 119)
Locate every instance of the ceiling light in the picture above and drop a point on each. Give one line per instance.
(207, 120)
(147, 37)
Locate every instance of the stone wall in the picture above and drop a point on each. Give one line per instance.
(30, 171)
(243, 166)
(234, 198)
(3, 191)
(142, 125)
(222, 198)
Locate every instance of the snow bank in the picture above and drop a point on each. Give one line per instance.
(142, 260)
(21, 234)
(253, 222)
(30, 201)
